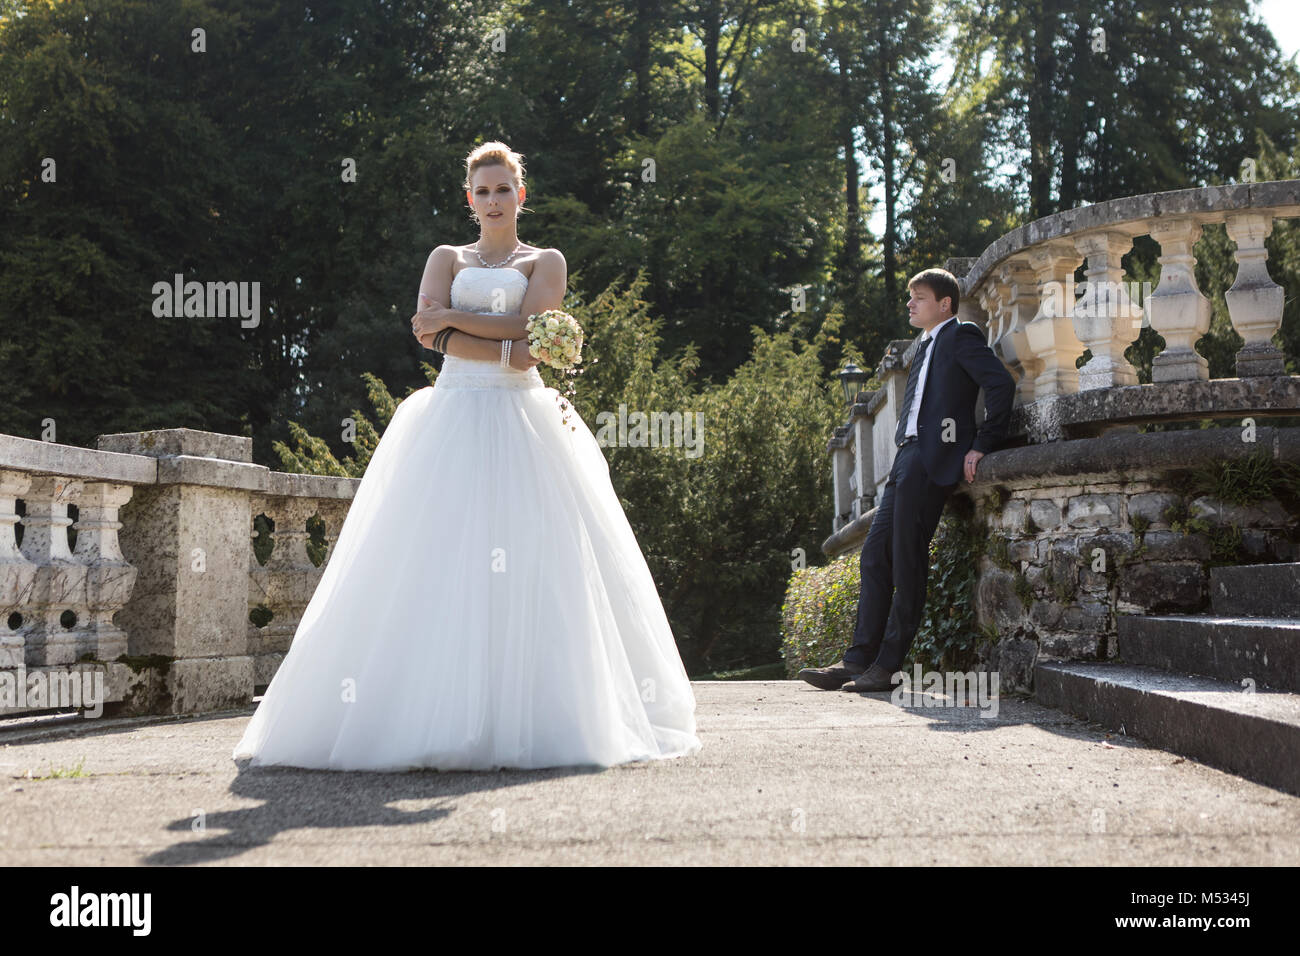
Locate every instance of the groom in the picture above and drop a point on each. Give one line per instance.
(937, 444)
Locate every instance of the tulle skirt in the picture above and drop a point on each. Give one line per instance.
(486, 604)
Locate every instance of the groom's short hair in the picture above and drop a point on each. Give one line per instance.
(941, 283)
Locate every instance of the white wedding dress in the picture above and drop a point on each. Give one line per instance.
(486, 604)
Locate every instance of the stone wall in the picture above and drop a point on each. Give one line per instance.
(1065, 558)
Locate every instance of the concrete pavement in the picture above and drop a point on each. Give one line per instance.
(788, 775)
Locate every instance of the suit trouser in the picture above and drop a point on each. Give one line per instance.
(896, 562)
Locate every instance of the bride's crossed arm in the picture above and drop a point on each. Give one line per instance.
(463, 345)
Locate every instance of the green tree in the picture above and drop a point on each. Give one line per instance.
(1123, 97)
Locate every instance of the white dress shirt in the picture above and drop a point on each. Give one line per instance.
(910, 430)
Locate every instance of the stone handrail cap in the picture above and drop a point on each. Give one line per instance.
(171, 442)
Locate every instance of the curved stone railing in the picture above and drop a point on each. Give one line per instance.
(1021, 290)
(162, 589)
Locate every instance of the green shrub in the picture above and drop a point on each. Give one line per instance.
(820, 610)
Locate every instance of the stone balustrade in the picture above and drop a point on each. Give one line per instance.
(1022, 291)
(165, 590)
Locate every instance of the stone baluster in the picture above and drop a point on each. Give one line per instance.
(1176, 309)
(60, 583)
(969, 311)
(987, 296)
(259, 577)
(293, 578)
(864, 469)
(17, 573)
(995, 298)
(1106, 320)
(893, 377)
(842, 464)
(291, 533)
(855, 500)
(110, 578)
(333, 512)
(1021, 299)
(1051, 330)
(263, 583)
(1255, 300)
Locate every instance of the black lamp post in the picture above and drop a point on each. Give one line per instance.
(852, 378)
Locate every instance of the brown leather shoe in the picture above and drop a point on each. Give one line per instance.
(872, 680)
(833, 677)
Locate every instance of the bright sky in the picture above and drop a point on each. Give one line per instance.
(1283, 18)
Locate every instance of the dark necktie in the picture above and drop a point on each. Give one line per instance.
(913, 376)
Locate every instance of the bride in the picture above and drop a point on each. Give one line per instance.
(486, 604)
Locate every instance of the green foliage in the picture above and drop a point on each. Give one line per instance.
(312, 456)
(1024, 590)
(948, 635)
(999, 552)
(1063, 591)
(727, 229)
(78, 770)
(1234, 481)
(819, 613)
(316, 545)
(821, 603)
(1226, 545)
(1150, 108)
(1178, 517)
(1243, 481)
(263, 538)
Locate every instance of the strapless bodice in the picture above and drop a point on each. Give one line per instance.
(492, 291)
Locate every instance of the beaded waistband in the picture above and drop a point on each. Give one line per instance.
(471, 373)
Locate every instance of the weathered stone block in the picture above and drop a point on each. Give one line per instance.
(1064, 564)
(1044, 514)
(1098, 557)
(1023, 549)
(1013, 516)
(1151, 506)
(997, 600)
(1175, 546)
(1094, 511)
(1013, 659)
(1046, 614)
(1070, 646)
(1163, 586)
(201, 685)
(1263, 514)
(1089, 616)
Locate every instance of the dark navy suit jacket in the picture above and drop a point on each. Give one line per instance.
(961, 365)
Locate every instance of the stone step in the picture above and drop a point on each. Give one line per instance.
(1256, 590)
(1265, 649)
(1255, 735)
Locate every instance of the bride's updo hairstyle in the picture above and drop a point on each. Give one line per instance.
(494, 153)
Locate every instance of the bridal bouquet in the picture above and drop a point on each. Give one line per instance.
(555, 337)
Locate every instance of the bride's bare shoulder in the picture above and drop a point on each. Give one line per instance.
(542, 255)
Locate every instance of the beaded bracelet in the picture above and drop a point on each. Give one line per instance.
(505, 352)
